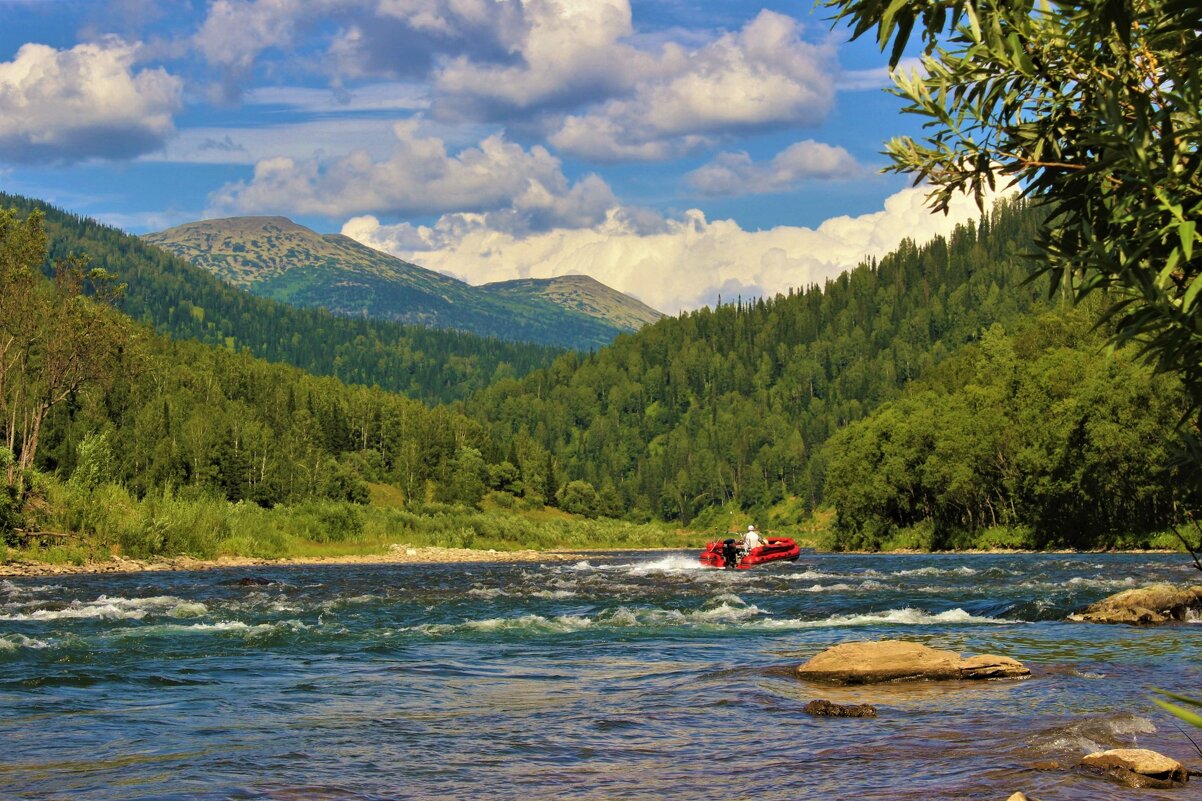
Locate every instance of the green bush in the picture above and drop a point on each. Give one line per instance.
(1018, 538)
(169, 525)
(918, 537)
(501, 500)
(578, 498)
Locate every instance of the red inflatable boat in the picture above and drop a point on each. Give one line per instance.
(727, 553)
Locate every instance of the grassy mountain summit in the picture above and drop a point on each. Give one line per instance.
(584, 294)
(277, 258)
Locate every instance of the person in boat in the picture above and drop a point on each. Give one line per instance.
(752, 539)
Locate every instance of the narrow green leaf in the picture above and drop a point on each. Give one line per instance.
(974, 24)
(1191, 294)
(1185, 699)
(1192, 718)
(1186, 231)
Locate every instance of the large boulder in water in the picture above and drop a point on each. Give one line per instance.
(1158, 603)
(897, 660)
(1138, 767)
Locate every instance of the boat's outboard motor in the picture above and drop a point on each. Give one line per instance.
(730, 553)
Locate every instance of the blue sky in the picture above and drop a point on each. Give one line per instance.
(674, 150)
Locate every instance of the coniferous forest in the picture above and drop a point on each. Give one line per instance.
(185, 302)
(934, 398)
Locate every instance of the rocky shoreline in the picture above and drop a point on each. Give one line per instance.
(396, 554)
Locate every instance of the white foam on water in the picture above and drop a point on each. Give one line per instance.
(535, 623)
(9, 588)
(487, 592)
(1088, 674)
(810, 575)
(15, 642)
(210, 628)
(720, 610)
(669, 564)
(1097, 582)
(553, 594)
(937, 571)
(896, 617)
(1096, 734)
(354, 599)
(105, 608)
(1130, 724)
(188, 609)
(843, 586)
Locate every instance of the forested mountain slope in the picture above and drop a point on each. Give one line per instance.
(731, 404)
(276, 258)
(187, 302)
(1032, 438)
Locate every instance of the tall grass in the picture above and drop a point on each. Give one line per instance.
(108, 520)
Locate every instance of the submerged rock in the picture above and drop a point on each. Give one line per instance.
(251, 581)
(1138, 767)
(828, 709)
(1021, 797)
(897, 660)
(1158, 603)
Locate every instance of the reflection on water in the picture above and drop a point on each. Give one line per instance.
(623, 676)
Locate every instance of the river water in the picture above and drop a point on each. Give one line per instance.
(627, 676)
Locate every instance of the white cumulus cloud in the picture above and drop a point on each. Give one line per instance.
(673, 265)
(738, 174)
(518, 189)
(576, 71)
(762, 76)
(86, 102)
(567, 52)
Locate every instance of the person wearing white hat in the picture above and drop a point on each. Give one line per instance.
(752, 539)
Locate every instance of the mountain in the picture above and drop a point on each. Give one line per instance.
(728, 408)
(583, 294)
(186, 302)
(277, 258)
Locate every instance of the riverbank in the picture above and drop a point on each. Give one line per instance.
(397, 554)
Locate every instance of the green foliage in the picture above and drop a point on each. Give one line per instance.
(731, 405)
(1188, 715)
(323, 521)
(1014, 538)
(10, 501)
(578, 498)
(94, 462)
(1034, 439)
(918, 537)
(186, 302)
(1094, 110)
(465, 484)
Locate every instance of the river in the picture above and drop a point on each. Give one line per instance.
(626, 676)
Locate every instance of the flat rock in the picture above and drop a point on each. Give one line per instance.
(1157, 603)
(828, 709)
(897, 660)
(1138, 767)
